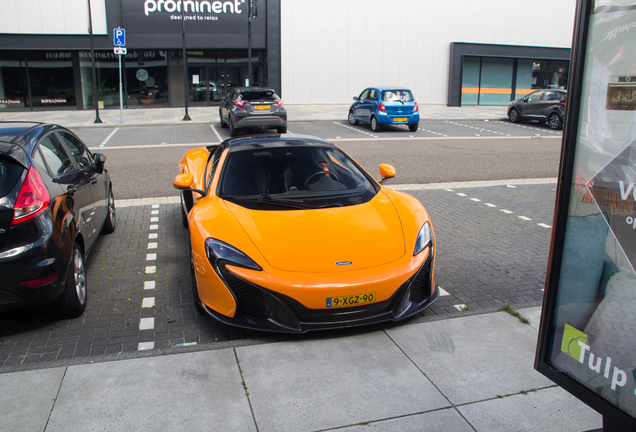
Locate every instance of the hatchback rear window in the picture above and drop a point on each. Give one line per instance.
(258, 95)
(397, 96)
(9, 174)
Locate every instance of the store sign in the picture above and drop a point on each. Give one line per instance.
(203, 17)
(53, 101)
(9, 101)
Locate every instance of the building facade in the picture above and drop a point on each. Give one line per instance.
(455, 52)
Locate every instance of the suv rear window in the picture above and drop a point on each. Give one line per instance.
(9, 174)
(258, 95)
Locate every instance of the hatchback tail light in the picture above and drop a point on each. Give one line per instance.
(240, 103)
(381, 107)
(416, 108)
(563, 104)
(280, 103)
(33, 198)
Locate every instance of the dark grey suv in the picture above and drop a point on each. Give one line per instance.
(253, 107)
(545, 106)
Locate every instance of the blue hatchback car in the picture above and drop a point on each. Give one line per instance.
(379, 106)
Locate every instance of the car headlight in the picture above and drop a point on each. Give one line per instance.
(216, 250)
(423, 238)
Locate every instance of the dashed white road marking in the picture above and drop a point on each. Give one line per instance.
(148, 302)
(461, 194)
(108, 137)
(148, 285)
(151, 257)
(357, 130)
(154, 227)
(442, 292)
(542, 225)
(216, 133)
(460, 307)
(152, 245)
(147, 323)
(143, 346)
(151, 269)
(154, 219)
(475, 199)
(524, 218)
(152, 236)
(507, 211)
(491, 205)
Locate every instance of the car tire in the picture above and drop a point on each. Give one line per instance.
(555, 121)
(73, 301)
(413, 127)
(282, 129)
(233, 130)
(223, 124)
(195, 289)
(111, 217)
(513, 115)
(184, 216)
(352, 118)
(375, 126)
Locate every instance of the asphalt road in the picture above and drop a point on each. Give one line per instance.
(143, 160)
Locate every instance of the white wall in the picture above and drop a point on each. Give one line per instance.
(332, 49)
(65, 17)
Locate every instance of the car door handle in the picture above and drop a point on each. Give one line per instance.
(94, 181)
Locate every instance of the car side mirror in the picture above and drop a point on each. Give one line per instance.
(526, 99)
(100, 161)
(355, 98)
(184, 182)
(386, 172)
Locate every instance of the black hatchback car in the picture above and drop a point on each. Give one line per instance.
(55, 199)
(252, 107)
(545, 106)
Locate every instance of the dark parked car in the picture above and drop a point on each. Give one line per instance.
(379, 106)
(251, 107)
(55, 199)
(200, 91)
(543, 105)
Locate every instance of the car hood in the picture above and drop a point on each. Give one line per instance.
(326, 240)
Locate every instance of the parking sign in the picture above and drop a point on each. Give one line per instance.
(119, 37)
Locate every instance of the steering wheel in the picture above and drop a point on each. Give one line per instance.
(327, 173)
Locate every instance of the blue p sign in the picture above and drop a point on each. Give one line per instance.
(119, 37)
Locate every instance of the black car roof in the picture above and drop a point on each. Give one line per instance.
(11, 130)
(272, 140)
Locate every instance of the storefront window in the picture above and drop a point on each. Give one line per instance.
(13, 87)
(496, 81)
(593, 338)
(147, 79)
(470, 80)
(524, 78)
(51, 79)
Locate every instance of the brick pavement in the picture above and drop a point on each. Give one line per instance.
(485, 258)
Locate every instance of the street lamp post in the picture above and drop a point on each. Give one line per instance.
(252, 14)
(185, 65)
(90, 32)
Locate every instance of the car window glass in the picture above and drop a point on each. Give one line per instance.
(55, 155)
(37, 157)
(79, 151)
(373, 95)
(397, 96)
(535, 96)
(364, 95)
(258, 96)
(214, 162)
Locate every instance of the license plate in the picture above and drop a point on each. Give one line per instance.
(352, 300)
(263, 107)
(399, 119)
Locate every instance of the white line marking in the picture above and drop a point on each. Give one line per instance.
(143, 346)
(542, 225)
(147, 323)
(108, 137)
(152, 245)
(151, 257)
(152, 236)
(475, 199)
(524, 218)
(216, 133)
(461, 194)
(460, 307)
(151, 269)
(154, 219)
(490, 205)
(154, 212)
(450, 190)
(354, 129)
(507, 211)
(154, 227)
(443, 292)
(149, 285)
(148, 302)
(155, 206)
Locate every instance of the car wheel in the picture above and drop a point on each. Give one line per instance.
(413, 127)
(555, 121)
(184, 216)
(352, 118)
(195, 290)
(375, 126)
(513, 115)
(111, 217)
(223, 124)
(282, 129)
(233, 130)
(73, 301)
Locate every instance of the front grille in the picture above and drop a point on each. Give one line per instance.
(421, 287)
(249, 298)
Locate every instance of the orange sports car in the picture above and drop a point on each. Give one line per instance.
(289, 234)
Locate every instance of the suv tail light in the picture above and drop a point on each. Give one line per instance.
(33, 198)
(381, 107)
(563, 104)
(280, 103)
(240, 103)
(416, 107)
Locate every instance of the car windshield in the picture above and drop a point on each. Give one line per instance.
(293, 176)
(258, 96)
(397, 96)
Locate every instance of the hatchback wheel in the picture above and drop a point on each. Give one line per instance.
(413, 127)
(555, 121)
(73, 302)
(375, 126)
(233, 130)
(111, 217)
(513, 115)
(352, 118)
